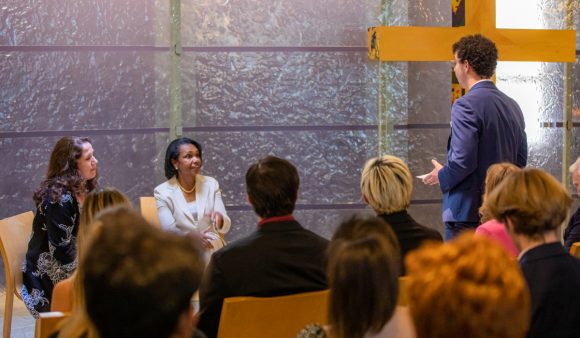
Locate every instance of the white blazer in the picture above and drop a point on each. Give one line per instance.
(172, 206)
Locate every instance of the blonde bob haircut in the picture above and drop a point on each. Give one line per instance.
(471, 280)
(387, 184)
(533, 200)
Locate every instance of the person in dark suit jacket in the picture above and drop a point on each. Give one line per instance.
(572, 233)
(532, 204)
(487, 127)
(386, 185)
(280, 258)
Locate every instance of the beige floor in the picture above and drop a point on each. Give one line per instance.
(22, 321)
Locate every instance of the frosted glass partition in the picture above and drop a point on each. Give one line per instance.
(84, 23)
(296, 23)
(286, 77)
(78, 90)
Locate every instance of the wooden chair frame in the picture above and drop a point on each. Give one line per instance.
(14, 236)
(265, 317)
(48, 323)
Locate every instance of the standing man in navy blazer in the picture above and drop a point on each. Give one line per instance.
(487, 127)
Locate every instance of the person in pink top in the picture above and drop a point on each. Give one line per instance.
(490, 227)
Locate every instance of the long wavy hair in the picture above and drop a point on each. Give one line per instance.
(62, 174)
(78, 325)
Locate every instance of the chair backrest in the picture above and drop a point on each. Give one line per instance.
(575, 249)
(403, 298)
(149, 210)
(14, 236)
(48, 323)
(281, 317)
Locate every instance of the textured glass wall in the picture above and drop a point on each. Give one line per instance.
(539, 87)
(284, 77)
(289, 78)
(81, 68)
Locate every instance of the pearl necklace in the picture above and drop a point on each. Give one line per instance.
(184, 190)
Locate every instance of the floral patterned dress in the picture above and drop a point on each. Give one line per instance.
(51, 255)
(312, 331)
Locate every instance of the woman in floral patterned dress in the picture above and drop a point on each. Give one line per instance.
(51, 255)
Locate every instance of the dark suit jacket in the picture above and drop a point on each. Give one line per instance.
(487, 127)
(280, 258)
(409, 233)
(572, 233)
(553, 277)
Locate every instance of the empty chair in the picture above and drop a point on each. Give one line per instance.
(575, 249)
(265, 317)
(47, 323)
(149, 210)
(14, 235)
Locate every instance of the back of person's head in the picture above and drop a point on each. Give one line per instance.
(533, 200)
(138, 280)
(386, 183)
(496, 173)
(479, 51)
(362, 271)
(272, 185)
(357, 227)
(469, 287)
(95, 202)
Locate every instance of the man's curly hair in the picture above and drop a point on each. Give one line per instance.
(479, 51)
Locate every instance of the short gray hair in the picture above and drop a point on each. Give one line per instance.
(575, 167)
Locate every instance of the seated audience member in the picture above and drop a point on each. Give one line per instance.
(66, 292)
(188, 201)
(51, 255)
(468, 287)
(363, 270)
(491, 228)
(533, 204)
(386, 184)
(572, 233)
(279, 258)
(138, 281)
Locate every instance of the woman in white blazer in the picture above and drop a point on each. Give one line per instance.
(188, 201)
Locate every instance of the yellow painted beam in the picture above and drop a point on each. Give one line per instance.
(394, 43)
(414, 43)
(535, 45)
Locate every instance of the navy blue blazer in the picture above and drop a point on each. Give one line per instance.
(487, 127)
(553, 277)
